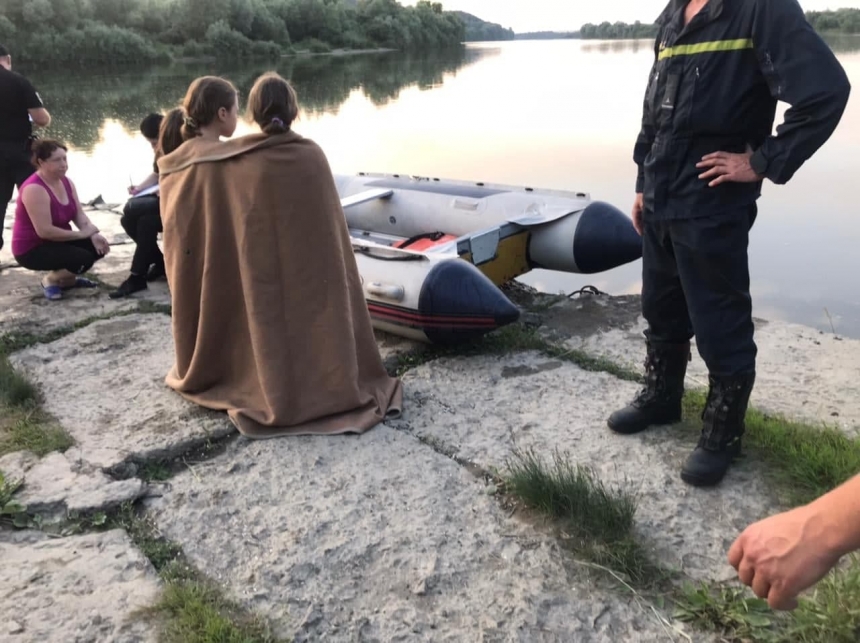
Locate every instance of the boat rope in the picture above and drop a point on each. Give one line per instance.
(433, 236)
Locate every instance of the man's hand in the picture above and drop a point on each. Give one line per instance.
(781, 556)
(726, 166)
(638, 205)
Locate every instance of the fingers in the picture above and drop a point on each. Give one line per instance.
(710, 162)
(720, 179)
(736, 552)
(715, 156)
(779, 599)
(746, 572)
(716, 171)
(760, 585)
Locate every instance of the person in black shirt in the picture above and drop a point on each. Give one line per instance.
(20, 108)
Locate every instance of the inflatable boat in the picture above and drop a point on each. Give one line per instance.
(432, 252)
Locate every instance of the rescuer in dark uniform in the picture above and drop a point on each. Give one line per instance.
(705, 146)
(20, 108)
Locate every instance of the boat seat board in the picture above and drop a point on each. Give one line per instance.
(364, 197)
(447, 189)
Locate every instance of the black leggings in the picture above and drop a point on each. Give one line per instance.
(141, 219)
(76, 256)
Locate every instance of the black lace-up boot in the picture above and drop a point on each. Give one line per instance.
(660, 401)
(722, 429)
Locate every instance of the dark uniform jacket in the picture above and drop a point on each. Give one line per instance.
(714, 86)
(17, 96)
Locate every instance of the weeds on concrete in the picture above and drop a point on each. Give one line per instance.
(807, 461)
(192, 609)
(23, 423)
(830, 613)
(597, 521)
(15, 389)
(726, 610)
(804, 461)
(11, 512)
(514, 338)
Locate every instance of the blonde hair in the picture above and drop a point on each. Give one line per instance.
(273, 104)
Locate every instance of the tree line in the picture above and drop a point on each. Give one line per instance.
(131, 31)
(323, 84)
(478, 30)
(838, 21)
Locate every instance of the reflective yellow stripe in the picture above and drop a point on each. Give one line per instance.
(706, 47)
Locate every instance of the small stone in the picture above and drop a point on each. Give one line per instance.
(14, 627)
(421, 588)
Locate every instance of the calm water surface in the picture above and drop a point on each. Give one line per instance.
(556, 114)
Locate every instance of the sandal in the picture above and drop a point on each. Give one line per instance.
(53, 292)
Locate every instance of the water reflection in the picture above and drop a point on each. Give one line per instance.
(840, 43)
(82, 106)
(614, 46)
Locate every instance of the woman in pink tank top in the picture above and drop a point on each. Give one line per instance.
(42, 235)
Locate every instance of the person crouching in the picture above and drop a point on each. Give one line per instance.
(42, 235)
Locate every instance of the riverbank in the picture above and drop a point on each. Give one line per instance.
(407, 532)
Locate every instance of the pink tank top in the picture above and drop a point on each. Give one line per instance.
(24, 236)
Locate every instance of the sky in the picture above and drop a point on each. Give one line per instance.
(570, 15)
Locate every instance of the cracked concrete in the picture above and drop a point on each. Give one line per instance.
(385, 536)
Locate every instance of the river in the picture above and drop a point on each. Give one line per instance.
(557, 114)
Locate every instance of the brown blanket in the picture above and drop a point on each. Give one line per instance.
(269, 319)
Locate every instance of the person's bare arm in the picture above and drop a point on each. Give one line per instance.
(782, 555)
(40, 116)
(82, 221)
(38, 204)
(148, 182)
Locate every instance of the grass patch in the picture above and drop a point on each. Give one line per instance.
(151, 307)
(191, 609)
(155, 472)
(198, 613)
(10, 511)
(15, 389)
(23, 424)
(597, 520)
(830, 613)
(806, 460)
(726, 610)
(512, 339)
(32, 431)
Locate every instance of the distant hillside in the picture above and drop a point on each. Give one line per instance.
(547, 35)
(481, 30)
